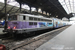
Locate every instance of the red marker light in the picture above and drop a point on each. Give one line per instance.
(8, 27)
(14, 28)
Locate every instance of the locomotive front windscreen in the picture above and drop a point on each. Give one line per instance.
(13, 17)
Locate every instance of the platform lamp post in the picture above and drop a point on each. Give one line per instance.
(5, 15)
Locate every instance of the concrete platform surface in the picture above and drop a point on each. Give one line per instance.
(63, 41)
(1, 29)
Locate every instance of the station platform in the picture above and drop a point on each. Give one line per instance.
(63, 41)
(1, 32)
(1, 29)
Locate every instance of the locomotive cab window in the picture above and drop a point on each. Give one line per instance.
(13, 17)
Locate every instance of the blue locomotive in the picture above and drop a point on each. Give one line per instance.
(2, 23)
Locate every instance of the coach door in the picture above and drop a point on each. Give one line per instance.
(56, 24)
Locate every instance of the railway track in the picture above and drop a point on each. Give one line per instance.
(15, 44)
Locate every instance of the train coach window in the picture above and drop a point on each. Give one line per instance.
(38, 19)
(30, 23)
(50, 23)
(35, 23)
(24, 17)
(35, 19)
(45, 20)
(41, 19)
(30, 18)
(50, 20)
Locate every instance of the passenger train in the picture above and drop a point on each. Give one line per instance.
(24, 23)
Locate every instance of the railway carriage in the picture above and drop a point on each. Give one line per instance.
(57, 23)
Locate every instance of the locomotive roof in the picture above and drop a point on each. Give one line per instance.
(30, 15)
(36, 16)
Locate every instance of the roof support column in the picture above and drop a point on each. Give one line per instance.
(10, 9)
(37, 10)
(20, 7)
(30, 9)
(5, 15)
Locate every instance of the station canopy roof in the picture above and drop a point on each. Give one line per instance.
(53, 7)
(11, 8)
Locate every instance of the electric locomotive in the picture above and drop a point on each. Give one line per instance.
(23, 23)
